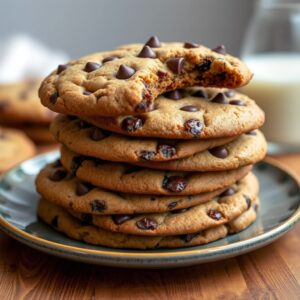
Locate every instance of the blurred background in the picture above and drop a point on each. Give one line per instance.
(80, 27)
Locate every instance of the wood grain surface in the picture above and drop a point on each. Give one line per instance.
(272, 272)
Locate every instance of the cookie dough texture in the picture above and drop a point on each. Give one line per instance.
(121, 82)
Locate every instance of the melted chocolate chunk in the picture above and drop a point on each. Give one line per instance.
(230, 93)
(91, 66)
(76, 163)
(172, 205)
(220, 152)
(146, 224)
(147, 155)
(220, 98)
(125, 72)
(176, 64)
(215, 214)
(97, 134)
(153, 42)
(83, 188)
(147, 52)
(131, 124)
(132, 169)
(193, 126)
(174, 183)
(167, 151)
(190, 108)
(58, 175)
(120, 219)
(98, 205)
(179, 211)
(82, 124)
(204, 65)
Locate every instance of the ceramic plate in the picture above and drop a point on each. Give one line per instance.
(279, 211)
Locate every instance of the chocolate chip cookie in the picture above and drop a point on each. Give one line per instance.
(223, 209)
(137, 180)
(190, 114)
(57, 186)
(245, 150)
(59, 219)
(128, 80)
(14, 148)
(86, 139)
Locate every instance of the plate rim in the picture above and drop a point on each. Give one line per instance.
(259, 239)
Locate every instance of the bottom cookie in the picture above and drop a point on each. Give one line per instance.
(62, 221)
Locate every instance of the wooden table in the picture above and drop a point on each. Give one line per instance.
(272, 272)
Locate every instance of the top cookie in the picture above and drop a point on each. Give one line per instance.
(19, 103)
(127, 80)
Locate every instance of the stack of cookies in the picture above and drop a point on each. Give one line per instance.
(21, 109)
(157, 147)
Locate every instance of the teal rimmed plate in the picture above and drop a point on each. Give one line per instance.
(279, 211)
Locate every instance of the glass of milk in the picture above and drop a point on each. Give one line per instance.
(272, 51)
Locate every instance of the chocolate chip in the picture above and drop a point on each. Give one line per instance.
(174, 183)
(167, 151)
(147, 52)
(174, 95)
(96, 134)
(131, 124)
(109, 58)
(91, 66)
(220, 98)
(152, 198)
(153, 42)
(125, 72)
(172, 205)
(230, 93)
(229, 192)
(220, 152)
(120, 219)
(86, 93)
(248, 201)
(188, 237)
(190, 45)
(189, 108)
(54, 222)
(98, 205)
(214, 214)
(200, 94)
(220, 49)
(146, 224)
(252, 132)
(83, 188)
(193, 126)
(76, 163)
(53, 98)
(176, 64)
(58, 175)
(147, 155)
(237, 102)
(61, 68)
(86, 219)
(204, 65)
(179, 211)
(145, 105)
